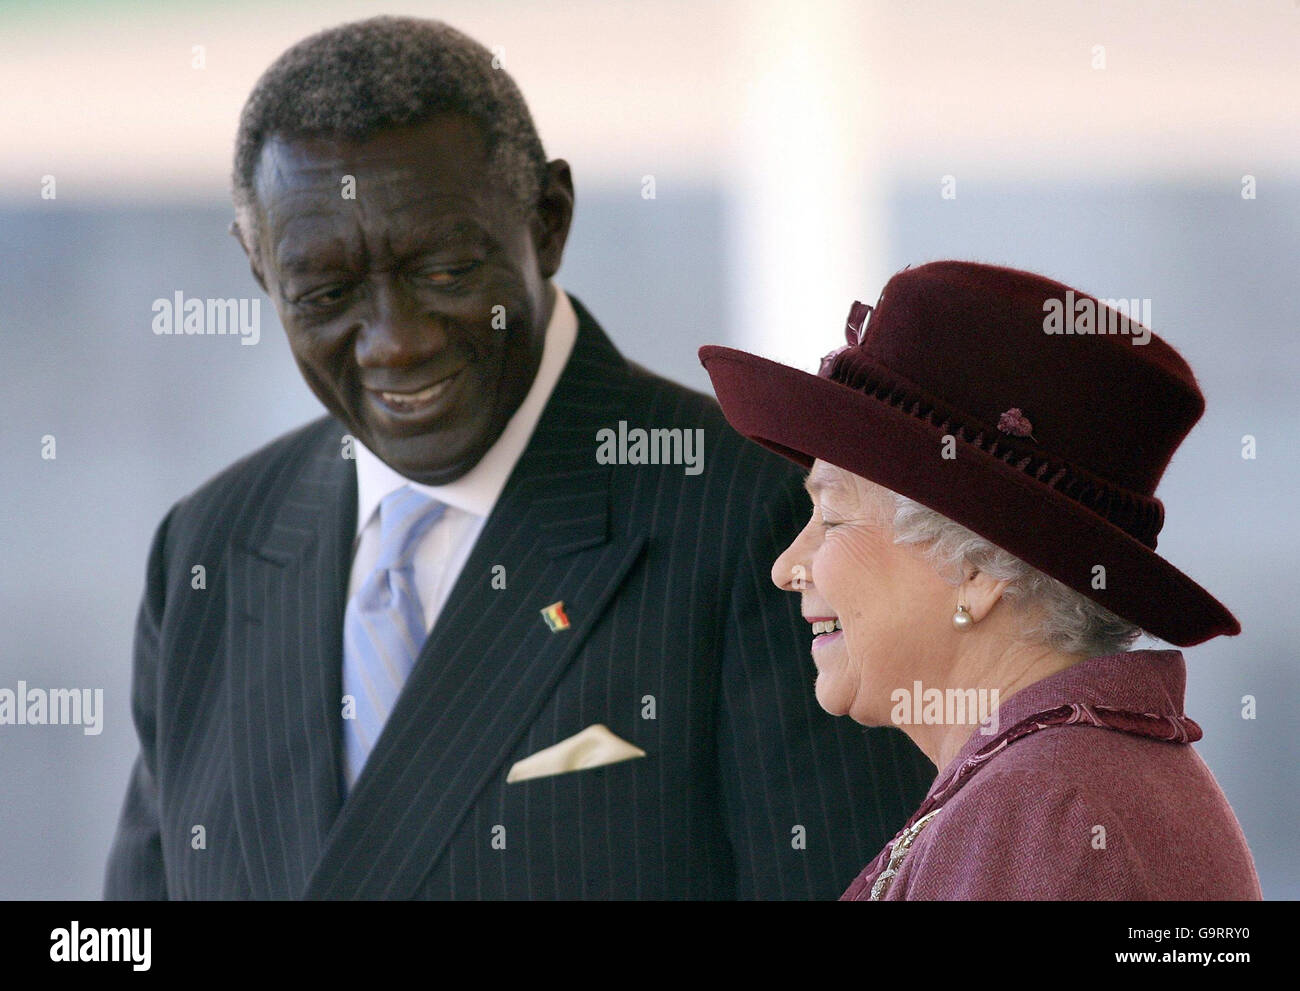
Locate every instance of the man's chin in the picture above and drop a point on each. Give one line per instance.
(431, 460)
(427, 472)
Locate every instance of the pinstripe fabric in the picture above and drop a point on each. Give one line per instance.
(678, 643)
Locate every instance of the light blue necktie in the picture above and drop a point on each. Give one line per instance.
(383, 627)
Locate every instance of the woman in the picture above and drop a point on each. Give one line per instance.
(981, 554)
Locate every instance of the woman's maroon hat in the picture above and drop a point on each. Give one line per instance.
(989, 395)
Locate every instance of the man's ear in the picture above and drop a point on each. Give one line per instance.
(254, 262)
(553, 216)
(982, 592)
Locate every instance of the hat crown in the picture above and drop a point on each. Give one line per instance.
(985, 342)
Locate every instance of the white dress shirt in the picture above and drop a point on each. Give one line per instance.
(445, 547)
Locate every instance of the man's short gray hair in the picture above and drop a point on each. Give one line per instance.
(358, 79)
(1054, 614)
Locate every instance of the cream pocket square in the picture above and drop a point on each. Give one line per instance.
(593, 747)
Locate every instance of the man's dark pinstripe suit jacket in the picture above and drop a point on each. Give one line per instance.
(747, 789)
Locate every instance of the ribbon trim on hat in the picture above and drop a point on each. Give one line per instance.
(1138, 515)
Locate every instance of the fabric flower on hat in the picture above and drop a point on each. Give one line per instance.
(825, 370)
(1014, 422)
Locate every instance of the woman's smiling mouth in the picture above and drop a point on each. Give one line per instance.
(825, 629)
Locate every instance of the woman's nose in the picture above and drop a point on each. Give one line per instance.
(790, 571)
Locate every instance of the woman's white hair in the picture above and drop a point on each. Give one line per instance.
(1054, 614)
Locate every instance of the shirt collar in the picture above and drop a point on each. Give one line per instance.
(476, 491)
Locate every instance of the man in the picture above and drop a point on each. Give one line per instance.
(416, 604)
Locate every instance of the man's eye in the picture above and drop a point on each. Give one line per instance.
(325, 296)
(449, 275)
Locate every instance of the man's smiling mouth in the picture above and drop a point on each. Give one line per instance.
(414, 400)
(425, 400)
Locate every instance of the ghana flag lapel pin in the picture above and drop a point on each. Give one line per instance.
(555, 618)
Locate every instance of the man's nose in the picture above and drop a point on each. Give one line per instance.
(396, 330)
(790, 571)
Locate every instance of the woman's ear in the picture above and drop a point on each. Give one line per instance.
(981, 592)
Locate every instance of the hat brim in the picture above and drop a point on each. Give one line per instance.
(805, 418)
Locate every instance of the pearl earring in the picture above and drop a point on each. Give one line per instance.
(962, 619)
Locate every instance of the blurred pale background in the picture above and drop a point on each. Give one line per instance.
(799, 153)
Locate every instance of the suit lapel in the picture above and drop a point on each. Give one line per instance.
(491, 661)
(286, 598)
